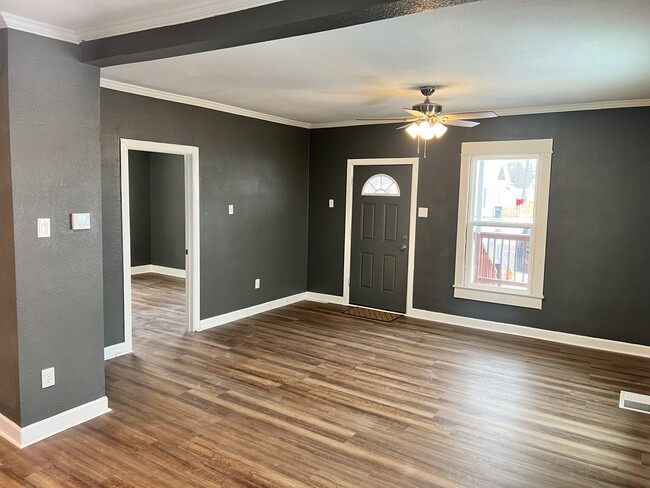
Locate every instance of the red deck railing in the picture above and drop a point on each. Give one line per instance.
(501, 259)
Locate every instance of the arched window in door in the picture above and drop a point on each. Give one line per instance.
(380, 185)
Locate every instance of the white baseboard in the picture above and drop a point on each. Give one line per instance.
(323, 298)
(247, 312)
(512, 329)
(26, 436)
(136, 270)
(154, 268)
(116, 350)
(534, 333)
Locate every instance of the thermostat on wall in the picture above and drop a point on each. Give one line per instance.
(80, 221)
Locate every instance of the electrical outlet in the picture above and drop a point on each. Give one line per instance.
(257, 283)
(47, 377)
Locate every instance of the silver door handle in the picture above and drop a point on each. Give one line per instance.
(403, 247)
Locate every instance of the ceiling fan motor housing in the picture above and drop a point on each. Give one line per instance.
(428, 108)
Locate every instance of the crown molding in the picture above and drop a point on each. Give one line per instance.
(197, 102)
(170, 17)
(220, 107)
(39, 28)
(573, 107)
(352, 123)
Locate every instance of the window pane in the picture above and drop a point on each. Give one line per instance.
(500, 256)
(381, 185)
(504, 189)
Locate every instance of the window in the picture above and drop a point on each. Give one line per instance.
(502, 214)
(382, 185)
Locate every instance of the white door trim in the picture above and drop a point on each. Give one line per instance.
(192, 230)
(349, 194)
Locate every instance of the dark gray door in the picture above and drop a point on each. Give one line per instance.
(380, 236)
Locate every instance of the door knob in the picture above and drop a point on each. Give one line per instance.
(403, 247)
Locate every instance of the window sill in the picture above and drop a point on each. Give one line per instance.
(500, 297)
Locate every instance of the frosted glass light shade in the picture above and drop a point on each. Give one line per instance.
(425, 131)
(439, 129)
(412, 130)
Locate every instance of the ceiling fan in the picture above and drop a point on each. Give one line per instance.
(427, 120)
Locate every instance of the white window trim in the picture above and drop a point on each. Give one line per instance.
(543, 149)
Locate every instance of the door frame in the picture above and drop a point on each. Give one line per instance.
(192, 230)
(349, 197)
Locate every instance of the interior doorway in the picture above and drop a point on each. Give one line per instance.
(167, 259)
(381, 199)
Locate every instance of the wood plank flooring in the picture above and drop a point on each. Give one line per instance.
(307, 396)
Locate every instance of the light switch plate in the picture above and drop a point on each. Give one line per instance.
(231, 209)
(257, 283)
(43, 226)
(423, 212)
(80, 221)
(331, 203)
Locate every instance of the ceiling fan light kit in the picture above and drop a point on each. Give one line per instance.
(428, 121)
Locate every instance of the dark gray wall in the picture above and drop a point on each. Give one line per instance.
(55, 160)
(140, 208)
(597, 259)
(9, 378)
(167, 177)
(259, 167)
(157, 209)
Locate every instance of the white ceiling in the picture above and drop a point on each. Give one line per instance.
(91, 19)
(502, 55)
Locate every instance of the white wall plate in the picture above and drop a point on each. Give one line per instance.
(80, 221)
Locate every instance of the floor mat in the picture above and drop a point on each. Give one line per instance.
(367, 313)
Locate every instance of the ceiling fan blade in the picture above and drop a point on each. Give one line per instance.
(471, 115)
(396, 119)
(461, 123)
(405, 126)
(415, 113)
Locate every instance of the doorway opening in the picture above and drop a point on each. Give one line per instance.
(381, 208)
(160, 234)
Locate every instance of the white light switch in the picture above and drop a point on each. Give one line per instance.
(331, 203)
(423, 212)
(43, 227)
(257, 283)
(231, 209)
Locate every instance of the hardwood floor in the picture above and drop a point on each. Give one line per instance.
(307, 396)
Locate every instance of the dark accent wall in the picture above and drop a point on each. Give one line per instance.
(55, 166)
(597, 259)
(157, 204)
(167, 177)
(9, 378)
(140, 206)
(260, 167)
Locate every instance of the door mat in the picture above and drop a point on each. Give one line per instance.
(366, 313)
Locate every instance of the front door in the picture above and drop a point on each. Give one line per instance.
(380, 236)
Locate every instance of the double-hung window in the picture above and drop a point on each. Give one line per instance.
(502, 215)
